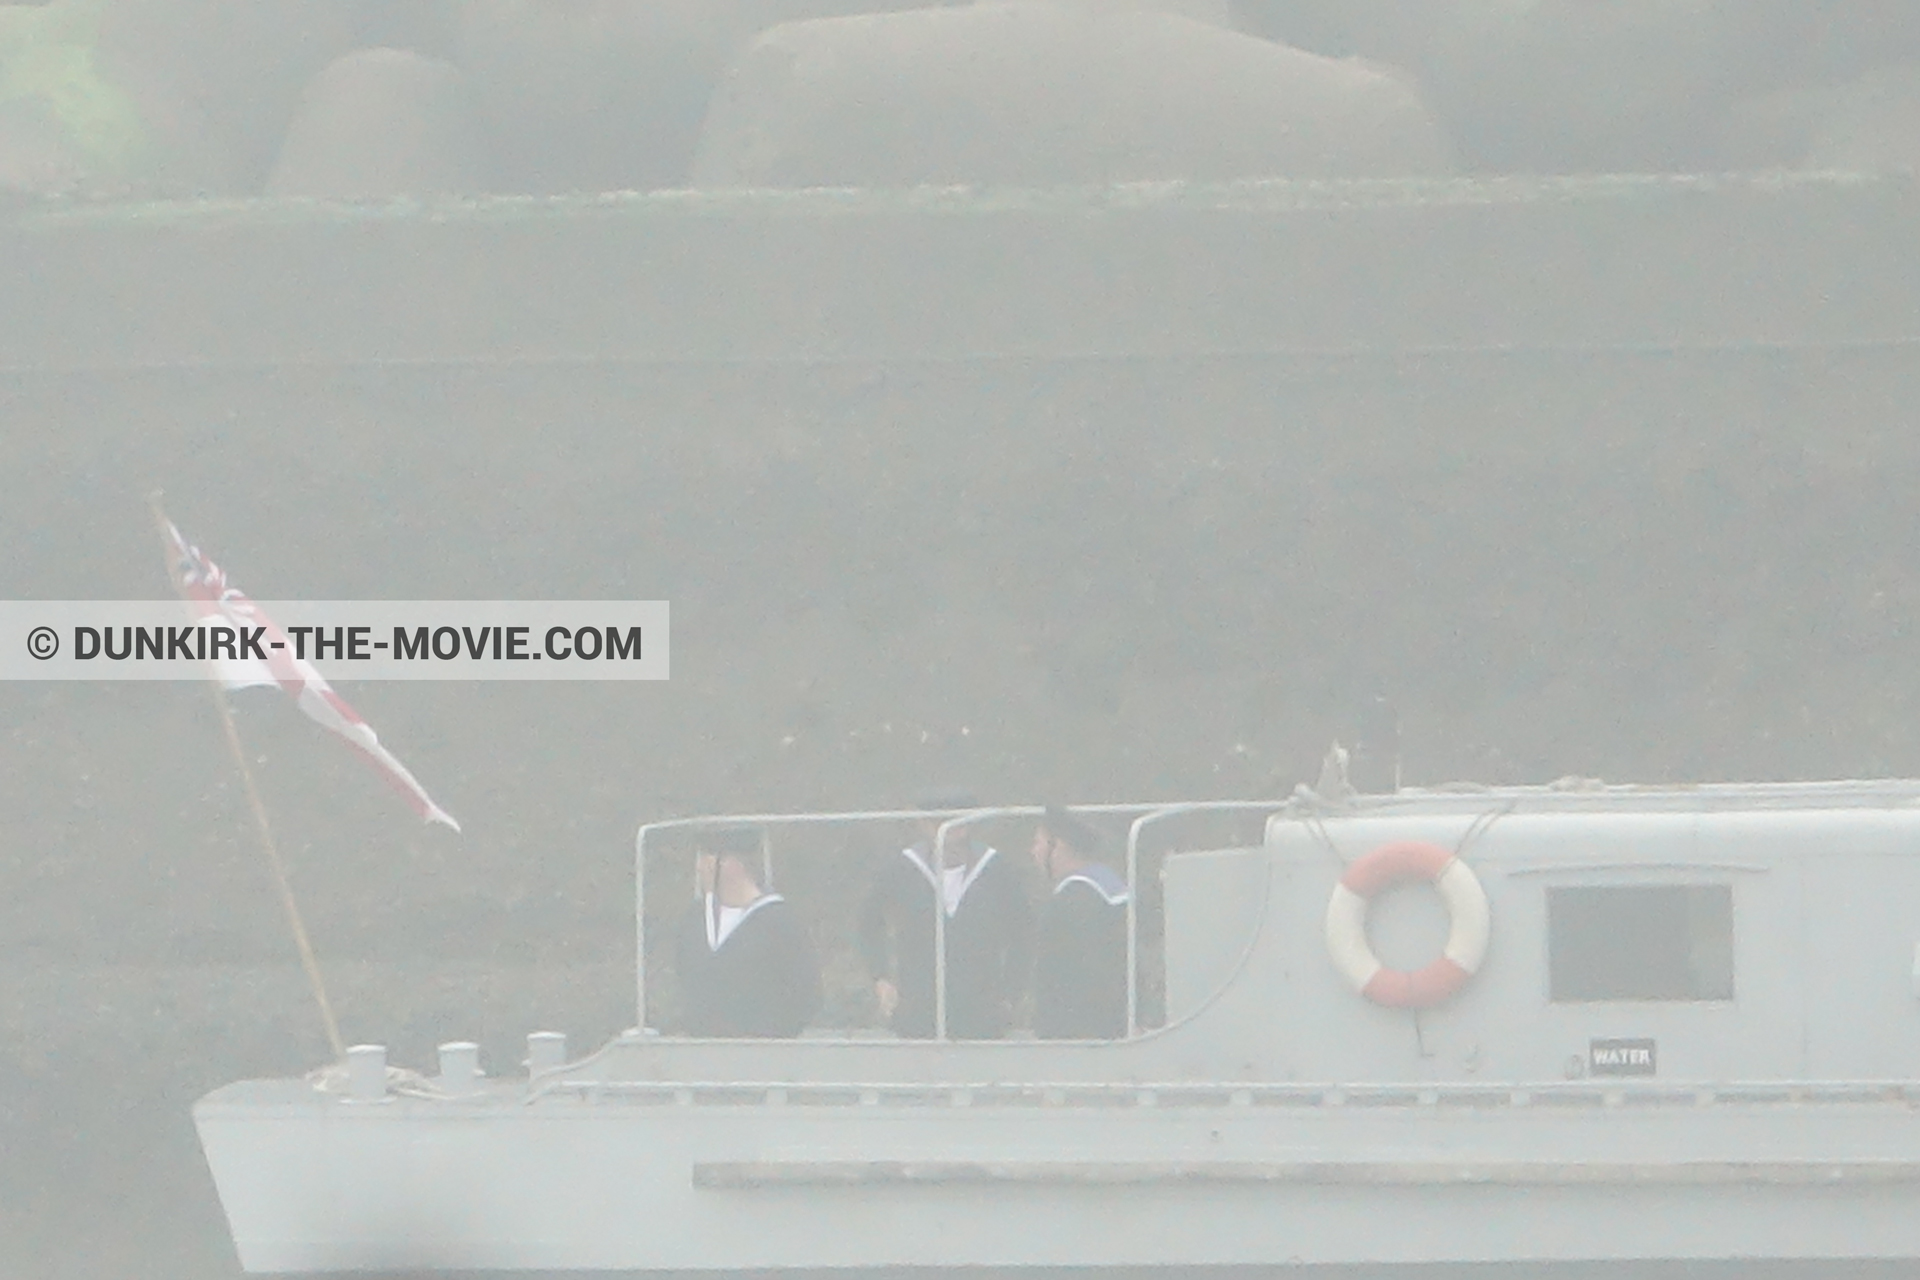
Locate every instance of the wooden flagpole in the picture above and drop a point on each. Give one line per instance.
(280, 878)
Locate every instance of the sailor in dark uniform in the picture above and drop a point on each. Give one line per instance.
(989, 933)
(1080, 973)
(747, 966)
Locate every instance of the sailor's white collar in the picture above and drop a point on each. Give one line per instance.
(721, 924)
(1115, 894)
(957, 884)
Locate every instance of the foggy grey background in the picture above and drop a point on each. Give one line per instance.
(1085, 493)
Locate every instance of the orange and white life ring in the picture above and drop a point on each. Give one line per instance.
(1385, 867)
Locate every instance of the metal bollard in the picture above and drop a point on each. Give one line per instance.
(546, 1050)
(460, 1066)
(367, 1072)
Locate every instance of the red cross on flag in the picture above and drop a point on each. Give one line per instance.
(212, 599)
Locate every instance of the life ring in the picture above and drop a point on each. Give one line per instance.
(1391, 864)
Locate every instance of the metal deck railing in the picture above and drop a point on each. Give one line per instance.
(1143, 816)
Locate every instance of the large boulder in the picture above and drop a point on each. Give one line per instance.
(1647, 85)
(596, 95)
(175, 97)
(1870, 124)
(1218, 13)
(1557, 86)
(82, 114)
(1838, 41)
(1394, 31)
(382, 123)
(240, 64)
(429, 27)
(37, 157)
(761, 14)
(1043, 93)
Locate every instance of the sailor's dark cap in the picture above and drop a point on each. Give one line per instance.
(1069, 830)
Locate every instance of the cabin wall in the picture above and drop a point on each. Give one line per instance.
(1826, 916)
(1863, 926)
(1214, 903)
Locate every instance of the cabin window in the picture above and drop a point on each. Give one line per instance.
(1640, 942)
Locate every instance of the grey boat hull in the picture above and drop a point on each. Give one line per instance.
(1631, 1125)
(671, 1179)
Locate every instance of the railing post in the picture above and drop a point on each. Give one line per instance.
(940, 929)
(640, 928)
(1133, 923)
